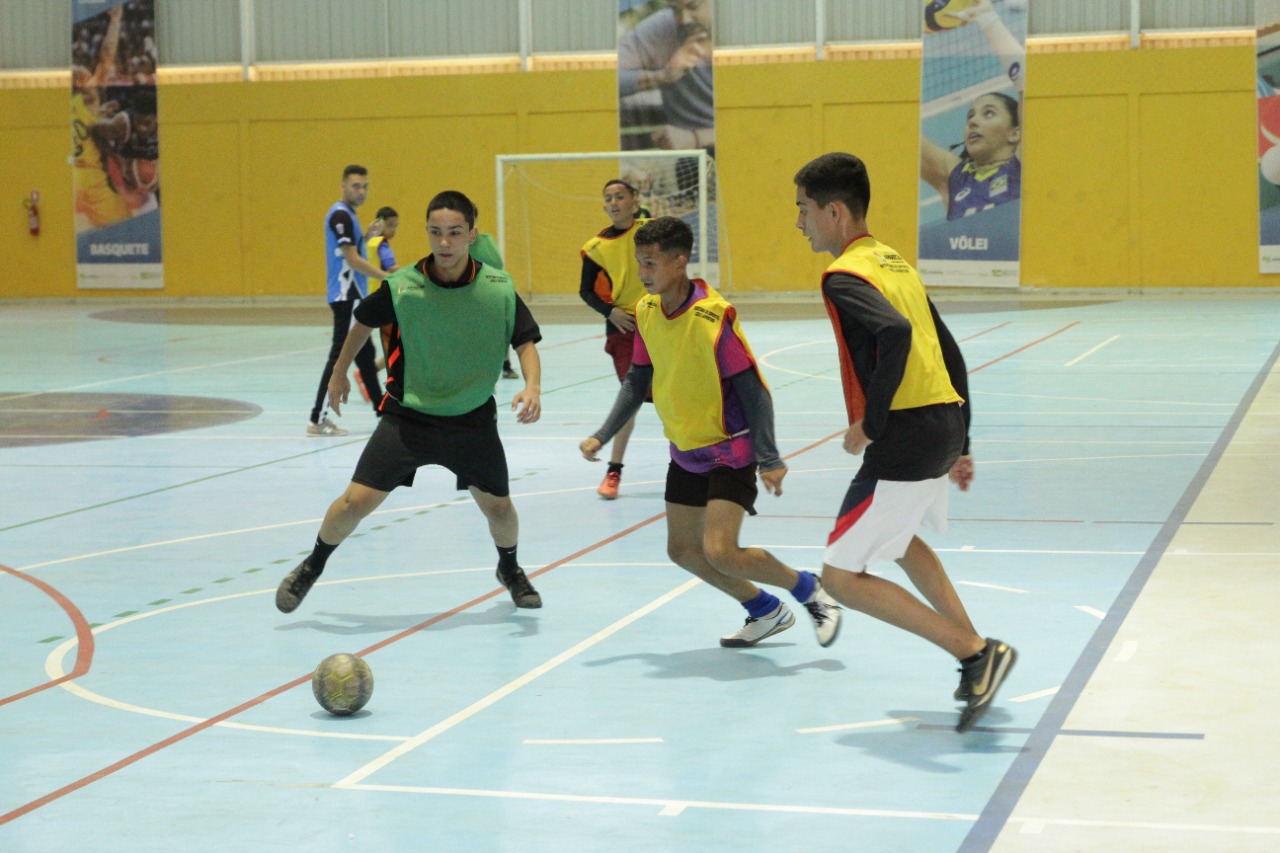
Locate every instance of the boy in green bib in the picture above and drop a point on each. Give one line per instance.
(452, 319)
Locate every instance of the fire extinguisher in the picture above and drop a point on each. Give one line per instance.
(33, 212)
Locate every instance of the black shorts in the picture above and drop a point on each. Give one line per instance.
(468, 445)
(736, 485)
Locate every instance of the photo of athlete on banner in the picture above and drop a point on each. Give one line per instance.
(666, 100)
(971, 141)
(115, 159)
(1268, 59)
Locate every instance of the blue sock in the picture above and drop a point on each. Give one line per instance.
(761, 606)
(803, 590)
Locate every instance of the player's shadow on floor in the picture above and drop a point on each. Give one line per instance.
(718, 664)
(926, 739)
(350, 624)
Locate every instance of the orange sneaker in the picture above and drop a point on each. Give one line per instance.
(609, 487)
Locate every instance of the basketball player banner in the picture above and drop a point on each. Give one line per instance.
(974, 62)
(1267, 18)
(115, 159)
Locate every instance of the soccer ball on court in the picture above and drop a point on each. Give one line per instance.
(938, 17)
(342, 684)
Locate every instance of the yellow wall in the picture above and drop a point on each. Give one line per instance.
(1140, 167)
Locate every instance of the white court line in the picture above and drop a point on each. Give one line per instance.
(1083, 356)
(510, 687)
(599, 741)
(137, 376)
(994, 586)
(666, 808)
(1039, 694)
(892, 721)
(1128, 649)
(969, 549)
(1200, 403)
(1092, 611)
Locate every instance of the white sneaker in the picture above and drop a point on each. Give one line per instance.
(325, 428)
(756, 630)
(826, 615)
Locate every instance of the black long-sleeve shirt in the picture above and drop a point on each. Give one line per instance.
(906, 444)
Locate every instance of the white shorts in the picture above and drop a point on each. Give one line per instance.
(879, 518)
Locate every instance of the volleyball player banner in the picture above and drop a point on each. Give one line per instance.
(1267, 18)
(974, 63)
(115, 158)
(666, 101)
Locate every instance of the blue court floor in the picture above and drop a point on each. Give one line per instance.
(157, 484)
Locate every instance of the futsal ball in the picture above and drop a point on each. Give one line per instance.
(936, 14)
(342, 684)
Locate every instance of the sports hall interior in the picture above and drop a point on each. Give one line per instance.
(1147, 513)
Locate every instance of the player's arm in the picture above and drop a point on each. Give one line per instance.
(110, 46)
(861, 302)
(527, 403)
(591, 273)
(339, 384)
(359, 264)
(757, 406)
(1011, 54)
(956, 369)
(635, 387)
(936, 165)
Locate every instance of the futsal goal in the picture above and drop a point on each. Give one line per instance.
(550, 204)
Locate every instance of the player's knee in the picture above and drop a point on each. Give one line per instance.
(725, 556)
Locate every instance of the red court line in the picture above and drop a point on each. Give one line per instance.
(84, 635)
(1027, 346)
(980, 334)
(252, 703)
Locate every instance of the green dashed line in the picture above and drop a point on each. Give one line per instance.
(398, 520)
(380, 527)
(224, 580)
(126, 613)
(286, 560)
(51, 639)
(159, 601)
(193, 590)
(250, 571)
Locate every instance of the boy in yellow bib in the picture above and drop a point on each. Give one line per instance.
(718, 415)
(905, 387)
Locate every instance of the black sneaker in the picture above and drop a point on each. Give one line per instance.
(982, 679)
(522, 592)
(962, 691)
(295, 587)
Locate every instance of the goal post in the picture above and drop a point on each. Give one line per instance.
(548, 205)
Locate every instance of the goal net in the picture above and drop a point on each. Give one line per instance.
(550, 204)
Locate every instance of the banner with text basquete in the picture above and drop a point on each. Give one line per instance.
(971, 132)
(115, 158)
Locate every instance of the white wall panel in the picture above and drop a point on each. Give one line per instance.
(454, 27)
(873, 20)
(574, 26)
(35, 34)
(198, 32)
(755, 23)
(302, 30)
(1195, 14)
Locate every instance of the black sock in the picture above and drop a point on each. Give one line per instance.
(614, 468)
(320, 555)
(507, 558)
(974, 658)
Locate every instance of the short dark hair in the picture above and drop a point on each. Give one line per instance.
(454, 200)
(668, 233)
(387, 213)
(354, 169)
(837, 177)
(608, 184)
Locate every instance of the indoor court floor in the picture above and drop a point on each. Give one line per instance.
(157, 483)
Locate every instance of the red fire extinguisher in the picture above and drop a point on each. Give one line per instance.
(33, 212)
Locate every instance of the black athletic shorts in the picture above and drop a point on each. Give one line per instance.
(737, 485)
(468, 445)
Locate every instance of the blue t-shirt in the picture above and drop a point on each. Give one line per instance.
(342, 228)
(972, 188)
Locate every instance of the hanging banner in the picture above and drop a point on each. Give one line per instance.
(971, 127)
(1267, 18)
(666, 101)
(115, 162)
